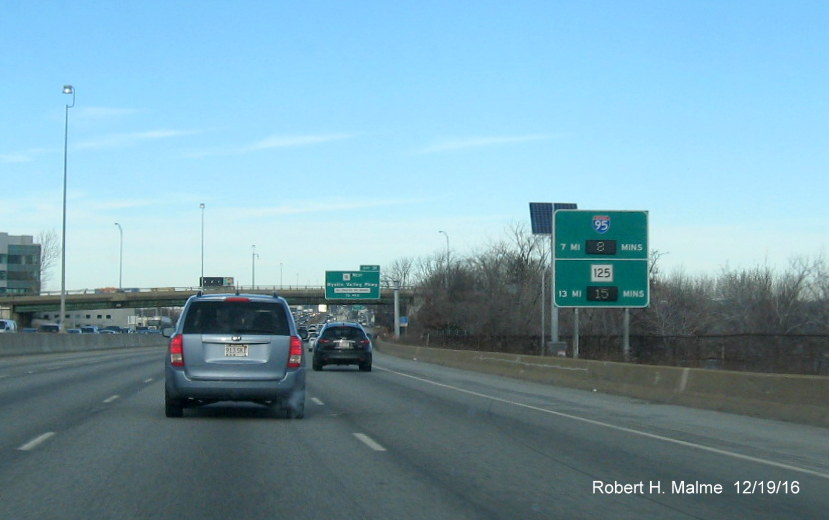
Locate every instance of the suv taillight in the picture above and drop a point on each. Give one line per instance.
(295, 354)
(177, 350)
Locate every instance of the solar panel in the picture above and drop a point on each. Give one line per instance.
(541, 218)
(541, 215)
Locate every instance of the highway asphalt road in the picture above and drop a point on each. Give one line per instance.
(83, 436)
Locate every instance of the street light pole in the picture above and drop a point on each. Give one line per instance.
(447, 245)
(120, 257)
(253, 257)
(446, 275)
(67, 89)
(201, 278)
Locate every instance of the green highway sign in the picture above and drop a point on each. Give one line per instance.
(601, 283)
(352, 285)
(601, 258)
(590, 234)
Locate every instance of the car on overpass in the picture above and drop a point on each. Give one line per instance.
(49, 327)
(8, 326)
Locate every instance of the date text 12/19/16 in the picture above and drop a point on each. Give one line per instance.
(683, 487)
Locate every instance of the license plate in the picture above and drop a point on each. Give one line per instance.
(344, 345)
(236, 351)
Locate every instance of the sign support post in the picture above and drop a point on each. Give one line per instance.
(397, 309)
(553, 308)
(541, 219)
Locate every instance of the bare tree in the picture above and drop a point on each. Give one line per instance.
(818, 296)
(680, 305)
(49, 254)
(400, 270)
(789, 297)
(759, 300)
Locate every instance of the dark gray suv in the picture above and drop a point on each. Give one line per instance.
(231, 347)
(343, 343)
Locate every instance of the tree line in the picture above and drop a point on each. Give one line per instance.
(757, 318)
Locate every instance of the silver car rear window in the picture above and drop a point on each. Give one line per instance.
(222, 317)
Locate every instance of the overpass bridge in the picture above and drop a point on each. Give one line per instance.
(20, 305)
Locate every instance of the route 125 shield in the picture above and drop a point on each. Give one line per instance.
(601, 223)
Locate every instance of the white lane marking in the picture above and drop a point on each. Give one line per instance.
(111, 398)
(368, 441)
(317, 401)
(149, 380)
(619, 428)
(37, 441)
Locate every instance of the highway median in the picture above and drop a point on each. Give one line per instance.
(795, 398)
(22, 344)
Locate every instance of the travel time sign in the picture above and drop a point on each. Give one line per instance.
(601, 258)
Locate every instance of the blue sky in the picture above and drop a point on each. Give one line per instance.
(335, 134)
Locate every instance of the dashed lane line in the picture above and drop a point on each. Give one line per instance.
(368, 441)
(37, 441)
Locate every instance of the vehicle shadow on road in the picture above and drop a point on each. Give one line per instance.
(234, 411)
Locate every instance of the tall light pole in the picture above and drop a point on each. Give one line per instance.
(444, 233)
(253, 257)
(67, 89)
(120, 257)
(201, 278)
(447, 257)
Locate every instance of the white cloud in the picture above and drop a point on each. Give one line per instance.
(274, 141)
(18, 157)
(103, 112)
(283, 141)
(481, 142)
(128, 139)
(22, 156)
(126, 204)
(304, 207)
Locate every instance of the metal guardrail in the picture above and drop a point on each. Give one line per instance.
(175, 296)
(113, 290)
(240, 288)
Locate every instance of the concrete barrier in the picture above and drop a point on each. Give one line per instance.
(795, 398)
(38, 343)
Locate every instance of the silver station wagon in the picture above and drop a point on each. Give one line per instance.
(231, 347)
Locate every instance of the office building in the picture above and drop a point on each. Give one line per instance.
(19, 264)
